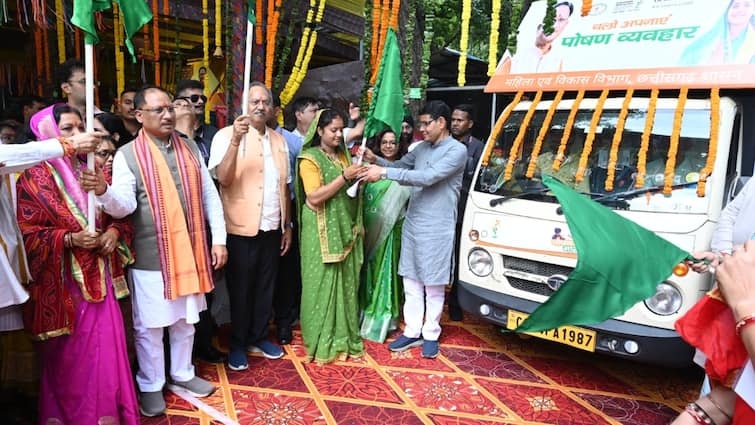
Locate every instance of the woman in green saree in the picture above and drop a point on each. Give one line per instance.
(381, 292)
(330, 242)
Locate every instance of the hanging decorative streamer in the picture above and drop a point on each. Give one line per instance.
(218, 29)
(517, 145)
(586, 7)
(715, 119)
(561, 154)
(673, 147)
(498, 127)
(156, 40)
(206, 55)
(273, 14)
(40, 62)
(645, 139)
(587, 148)
(466, 15)
(120, 81)
(495, 23)
(541, 135)
(258, 28)
(60, 29)
(613, 157)
(309, 38)
(77, 40)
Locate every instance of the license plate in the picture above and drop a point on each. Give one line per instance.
(572, 336)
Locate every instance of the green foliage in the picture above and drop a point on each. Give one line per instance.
(550, 17)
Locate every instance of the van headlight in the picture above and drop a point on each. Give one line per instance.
(480, 262)
(666, 301)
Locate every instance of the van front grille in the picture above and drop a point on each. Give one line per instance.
(533, 267)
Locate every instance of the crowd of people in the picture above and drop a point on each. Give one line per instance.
(183, 208)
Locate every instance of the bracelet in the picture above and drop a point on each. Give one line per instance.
(67, 145)
(344, 177)
(744, 322)
(699, 414)
(717, 406)
(67, 240)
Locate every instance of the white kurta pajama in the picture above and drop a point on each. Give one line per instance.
(151, 310)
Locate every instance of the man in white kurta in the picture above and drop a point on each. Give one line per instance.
(152, 309)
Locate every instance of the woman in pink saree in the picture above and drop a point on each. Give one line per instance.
(72, 310)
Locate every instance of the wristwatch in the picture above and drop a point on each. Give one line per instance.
(384, 174)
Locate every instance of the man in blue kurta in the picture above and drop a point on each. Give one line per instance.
(434, 168)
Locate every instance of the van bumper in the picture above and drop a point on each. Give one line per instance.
(656, 346)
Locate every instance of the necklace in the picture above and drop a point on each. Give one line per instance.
(332, 156)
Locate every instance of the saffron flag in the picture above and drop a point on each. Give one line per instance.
(387, 107)
(134, 14)
(619, 263)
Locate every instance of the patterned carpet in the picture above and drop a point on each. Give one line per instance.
(481, 377)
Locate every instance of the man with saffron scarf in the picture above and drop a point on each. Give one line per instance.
(152, 176)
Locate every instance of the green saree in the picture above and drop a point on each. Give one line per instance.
(331, 257)
(381, 291)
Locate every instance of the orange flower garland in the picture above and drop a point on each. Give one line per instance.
(273, 13)
(498, 127)
(258, 28)
(586, 7)
(375, 33)
(567, 130)
(673, 148)
(384, 22)
(541, 135)
(587, 149)
(715, 119)
(60, 30)
(517, 145)
(645, 139)
(614, 155)
(120, 80)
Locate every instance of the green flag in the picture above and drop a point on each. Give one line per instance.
(134, 14)
(387, 107)
(619, 264)
(250, 16)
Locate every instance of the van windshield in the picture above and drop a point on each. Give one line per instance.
(691, 157)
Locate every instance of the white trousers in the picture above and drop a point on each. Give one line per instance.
(151, 355)
(423, 302)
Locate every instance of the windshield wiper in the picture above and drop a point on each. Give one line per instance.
(630, 194)
(502, 199)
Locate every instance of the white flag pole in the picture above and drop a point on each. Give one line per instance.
(89, 77)
(247, 66)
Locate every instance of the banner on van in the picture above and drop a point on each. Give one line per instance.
(633, 43)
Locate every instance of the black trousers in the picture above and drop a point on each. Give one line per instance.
(288, 287)
(250, 276)
(205, 328)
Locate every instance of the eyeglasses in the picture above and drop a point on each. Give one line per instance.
(159, 111)
(194, 98)
(105, 154)
(426, 123)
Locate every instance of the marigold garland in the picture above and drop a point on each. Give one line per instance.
(668, 178)
(645, 139)
(466, 15)
(613, 157)
(560, 155)
(495, 23)
(499, 126)
(385, 14)
(586, 7)
(218, 29)
(60, 30)
(375, 33)
(120, 80)
(206, 55)
(715, 119)
(258, 27)
(273, 14)
(587, 148)
(309, 38)
(541, 135)
(517, 145)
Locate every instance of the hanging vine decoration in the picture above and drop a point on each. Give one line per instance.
(561, 154)
(156, 41)
(273, 14)
(466, 15)
(517, 145)
(59, 29)
(426, 46)
(206, 55)
(613, 157)
(309, 39)
(587, 148)
(285, 45)
(495, 23)
(715, 120)
(550, 17)
(642, 154)
(117, 40)
(499, 127)
(541, 135)
(586, 7)
(673, 147)
(218, 53)
(407, 62)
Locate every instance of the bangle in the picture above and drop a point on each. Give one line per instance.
(67, 145)
(699, 414)
(344, 177)
(717, 406)
(744, 322)
(67, 240)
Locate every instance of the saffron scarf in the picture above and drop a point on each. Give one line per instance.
(181, 239)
